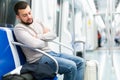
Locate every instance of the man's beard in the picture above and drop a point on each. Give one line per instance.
(26, 23)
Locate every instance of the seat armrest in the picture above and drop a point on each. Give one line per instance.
(73, 50)
(79, 42)
(83, 42)
(38, 50)
(59, 43)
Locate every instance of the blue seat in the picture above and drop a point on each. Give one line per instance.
(10, 55)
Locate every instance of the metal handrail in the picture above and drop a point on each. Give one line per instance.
(83, 42)
(59, 43)
(73, 50)
(38, 50)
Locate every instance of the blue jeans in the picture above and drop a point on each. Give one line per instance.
(71, 66)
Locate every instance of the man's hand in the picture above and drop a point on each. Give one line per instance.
(45, 30)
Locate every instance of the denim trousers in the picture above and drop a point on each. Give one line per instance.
(71, 66)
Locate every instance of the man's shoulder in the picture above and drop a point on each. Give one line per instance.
(19, 25)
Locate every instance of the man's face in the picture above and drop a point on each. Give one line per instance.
(25, 15)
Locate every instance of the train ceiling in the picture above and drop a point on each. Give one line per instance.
(102, 5)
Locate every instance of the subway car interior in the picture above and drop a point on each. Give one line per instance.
(88, 28)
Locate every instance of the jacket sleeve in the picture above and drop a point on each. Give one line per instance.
(47, 36)
(23, 36)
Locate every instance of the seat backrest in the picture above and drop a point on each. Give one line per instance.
(11, 56)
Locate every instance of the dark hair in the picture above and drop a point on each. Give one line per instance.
(20, 5)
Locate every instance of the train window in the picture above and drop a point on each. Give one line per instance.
(7, 12)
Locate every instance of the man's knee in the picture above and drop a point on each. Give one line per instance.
(70, 67)
(81, 63)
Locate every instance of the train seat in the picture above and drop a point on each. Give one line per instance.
(10, 58)
(10, 55)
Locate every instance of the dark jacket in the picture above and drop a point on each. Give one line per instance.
(39, 71)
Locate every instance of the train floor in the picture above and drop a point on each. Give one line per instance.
(109, 62)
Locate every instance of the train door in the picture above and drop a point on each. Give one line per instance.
(66, 33)
(89, 29)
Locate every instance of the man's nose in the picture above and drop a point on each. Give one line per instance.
(29, 16)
